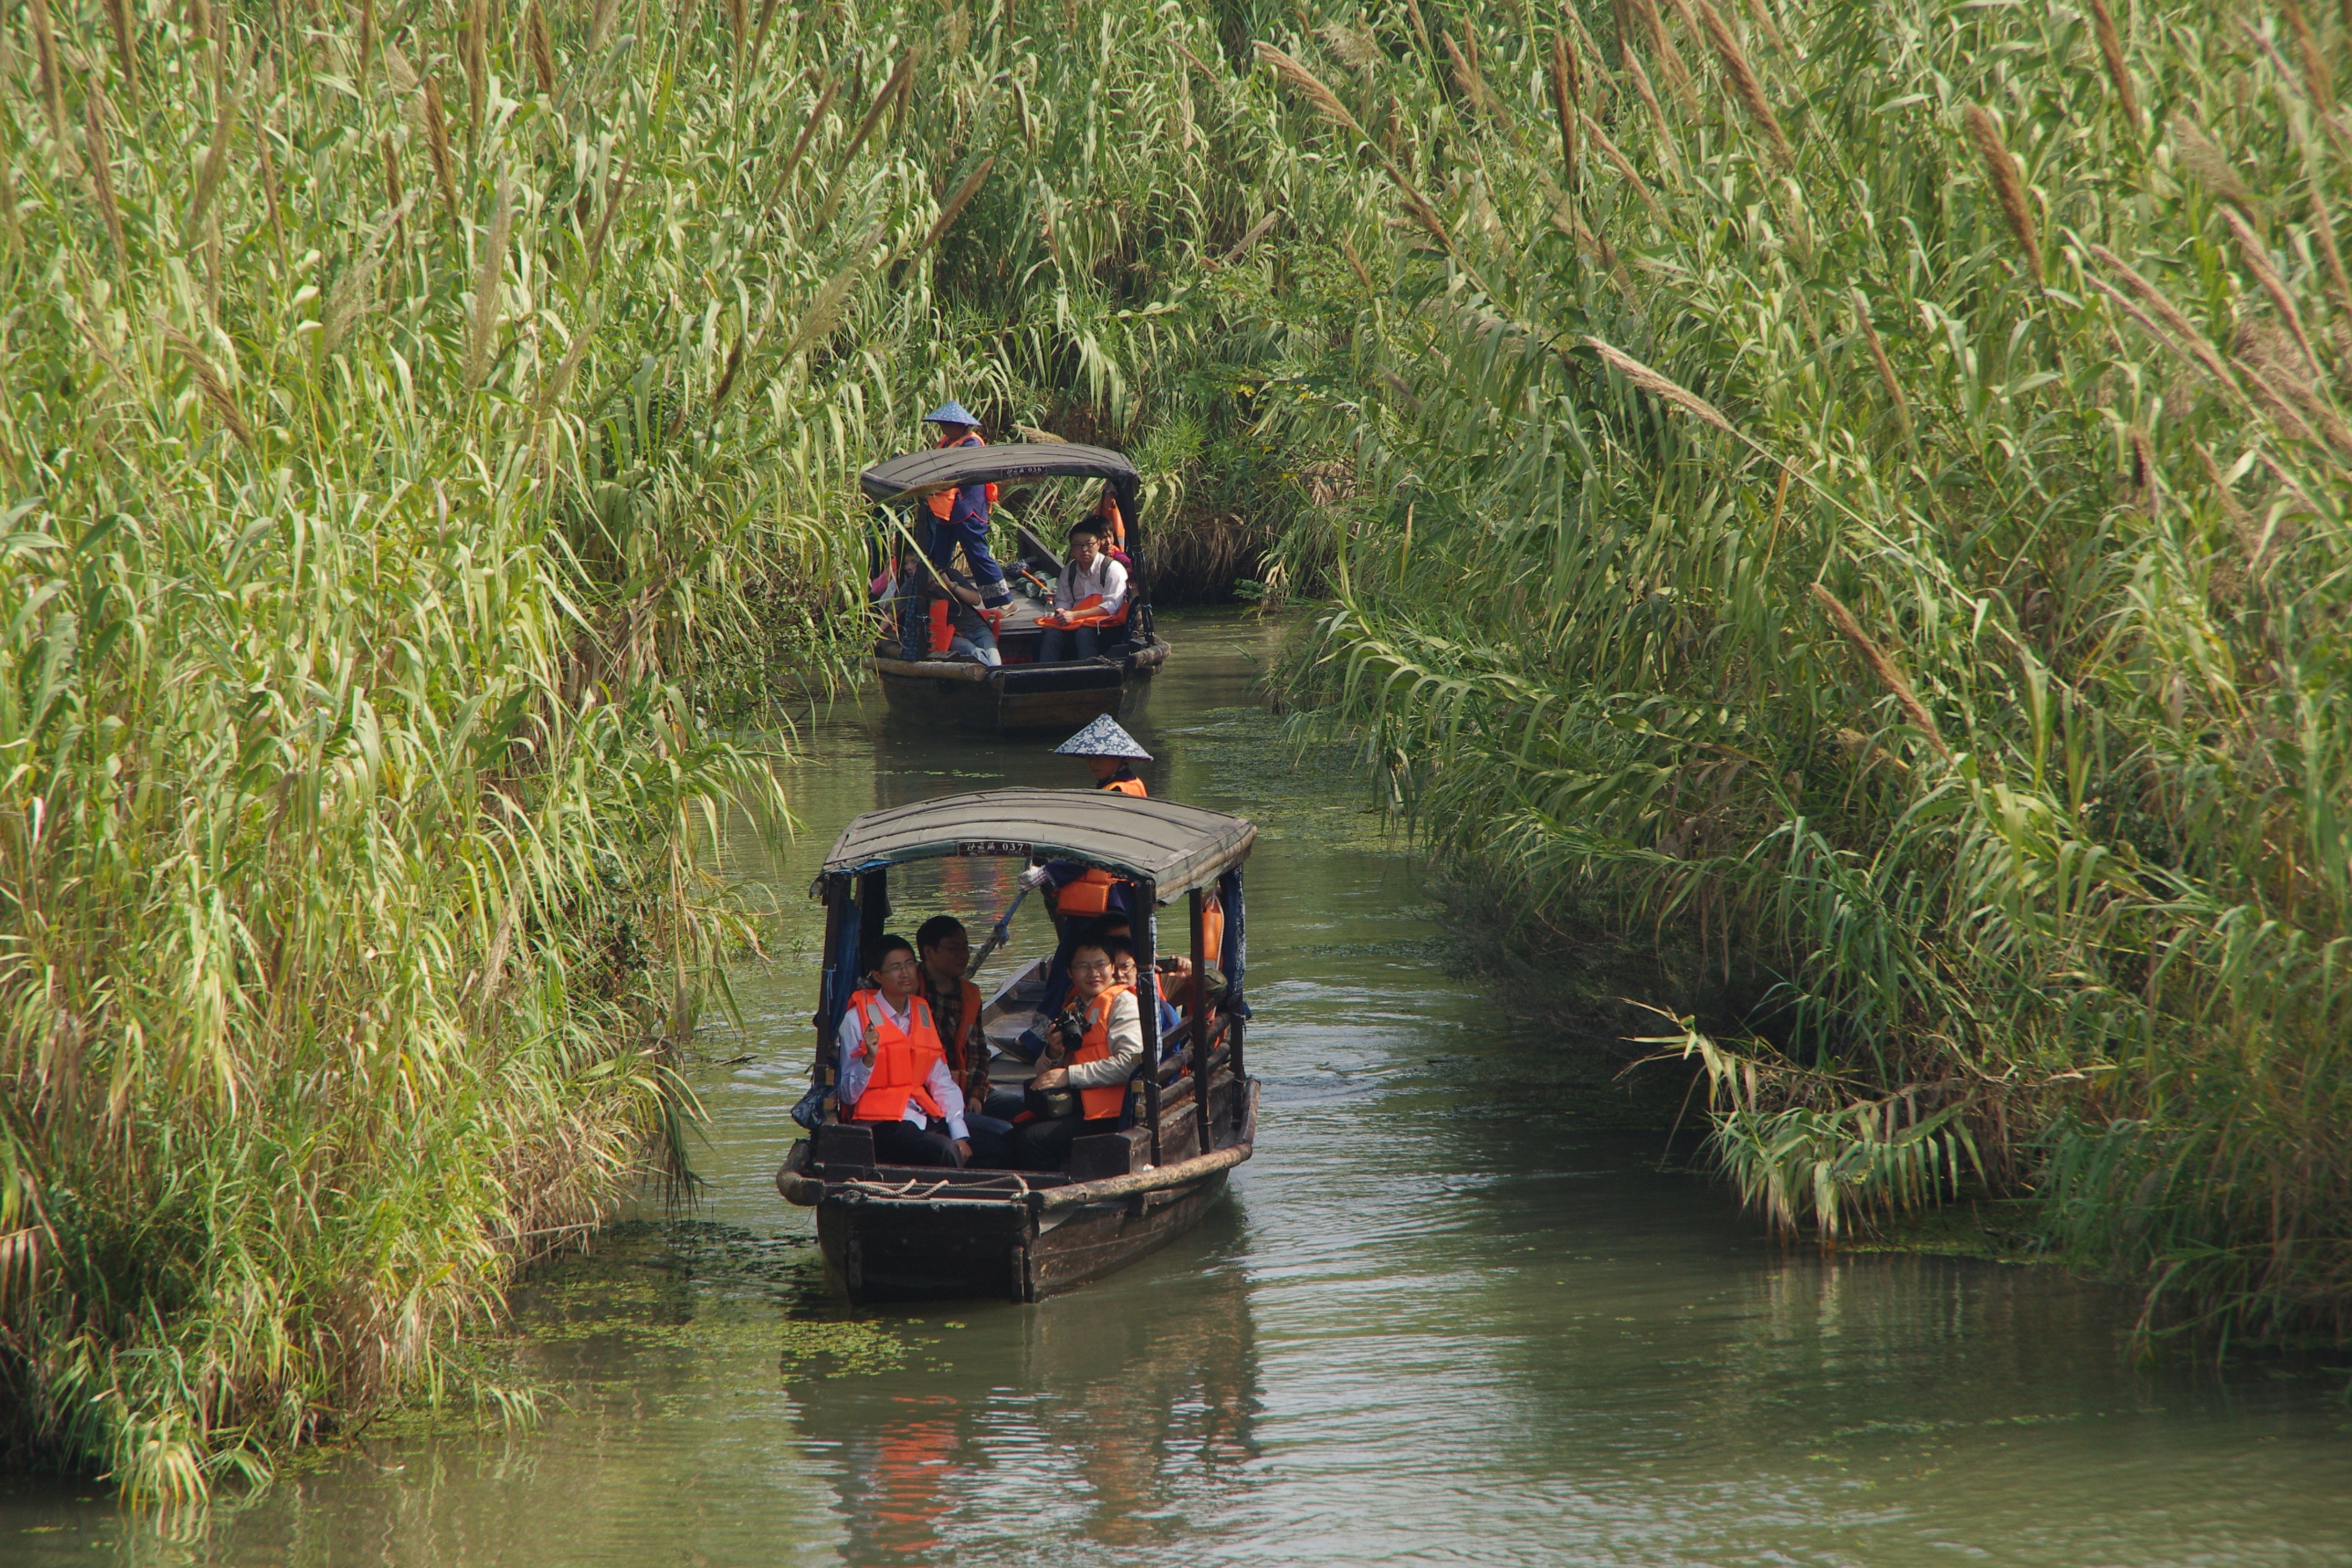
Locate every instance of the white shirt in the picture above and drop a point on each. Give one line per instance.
(1123, 1032)
(857, 1065)
(1109, 578)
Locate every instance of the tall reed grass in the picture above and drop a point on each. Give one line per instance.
(421, 429)
(1878, 509)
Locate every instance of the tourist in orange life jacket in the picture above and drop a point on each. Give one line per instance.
(1096, 1046)
(944, 948)
(894, 1074)
(1109, 754)
(1111, 523)
(961, 516)
(1090, 604)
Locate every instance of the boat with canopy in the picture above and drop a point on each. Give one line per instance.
(905, 1232)
(1024, 693)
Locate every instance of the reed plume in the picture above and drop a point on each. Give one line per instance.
(391, 176)
(2198, 153)
(958, 202)
(600, 29)
(118, 17)
(2251, 248)
(2192, 341)
(473, 48)
(1878, 357)
(1663, 50)
(437, 148)
(489, 271)
(1888, 673)
(541, 48)
(367, 38)
(1762, 11)
(2322, 227)
(808, 134)
(2000, 168)
(208, 175)
(2111, 49)
(1744, 84)
(1564, 98)
(2318, 80)
(1326, 102)
(1642, 89)
(211, 388)
(102, 174)
(1623, 166)
(1658, 387)
(44, 51)
(901, 75)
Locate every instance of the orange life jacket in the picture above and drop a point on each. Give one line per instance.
(1088, 895)
(1125, 786)
(1087, 612)
(1213, 928)
(942, 505)
(1111, 1098)
(1108, 511)
(903, 1059)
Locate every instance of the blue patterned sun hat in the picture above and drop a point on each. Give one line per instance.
(1103, 738)
(951, 412)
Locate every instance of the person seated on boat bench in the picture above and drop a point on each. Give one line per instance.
(1123, 969)
(1089, 611)
(1097, 1046)
(893, 1071)
(957, 629)
(944, 948)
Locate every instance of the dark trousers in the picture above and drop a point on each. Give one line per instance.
(971, 531)
(904, 1144)
(1045, 1145)
(1068, 642)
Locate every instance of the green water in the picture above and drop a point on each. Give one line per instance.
(1440, 1318)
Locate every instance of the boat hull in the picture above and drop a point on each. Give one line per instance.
(893, 1250)
(1019, 698)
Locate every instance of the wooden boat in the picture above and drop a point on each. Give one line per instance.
(899, 1233)
(1021, 693)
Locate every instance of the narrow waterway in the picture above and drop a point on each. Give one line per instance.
(1445, 1316)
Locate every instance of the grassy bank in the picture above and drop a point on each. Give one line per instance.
(1860, 488)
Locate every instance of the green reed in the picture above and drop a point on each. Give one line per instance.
(1865, 485)
(419, 430)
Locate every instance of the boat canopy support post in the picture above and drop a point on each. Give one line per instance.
(873, 908)
(1196, 1009)
(834, 995)
(1148, 1013)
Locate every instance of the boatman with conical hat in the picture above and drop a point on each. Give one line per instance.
(960, 516)
(1109, 753)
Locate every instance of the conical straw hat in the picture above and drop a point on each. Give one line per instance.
(1103, 738)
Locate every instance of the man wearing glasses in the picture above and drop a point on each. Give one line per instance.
(1097, 1045)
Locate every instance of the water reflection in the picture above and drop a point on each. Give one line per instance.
(1110, 1417)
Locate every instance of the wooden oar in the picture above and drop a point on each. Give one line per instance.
(1002, 929)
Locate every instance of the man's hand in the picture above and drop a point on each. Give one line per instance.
(1035, 877)
(963, 1149)
(1051, 1077)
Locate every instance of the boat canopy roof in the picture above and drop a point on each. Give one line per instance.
(923, 473)
(1179, 847)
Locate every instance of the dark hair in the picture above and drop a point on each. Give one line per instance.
(884, 948)
(1119, 950)
(1086, 527)
(1099, 944)
(936, 930)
